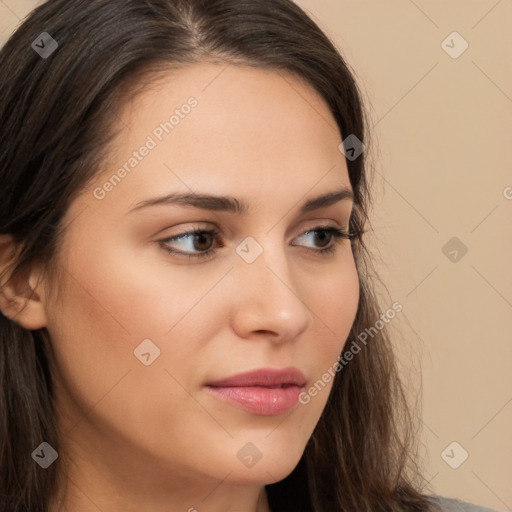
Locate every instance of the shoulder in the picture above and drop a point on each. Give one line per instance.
(455, 505)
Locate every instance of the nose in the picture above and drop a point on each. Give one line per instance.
(267, 299)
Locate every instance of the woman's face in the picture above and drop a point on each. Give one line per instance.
(139, 332)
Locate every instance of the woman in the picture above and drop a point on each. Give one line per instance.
(184, 276)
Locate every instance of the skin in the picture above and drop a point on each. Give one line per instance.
(142, 437)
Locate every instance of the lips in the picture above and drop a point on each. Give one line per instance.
(265, 392)
(263, 377)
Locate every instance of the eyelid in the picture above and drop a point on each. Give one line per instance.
(312, 224)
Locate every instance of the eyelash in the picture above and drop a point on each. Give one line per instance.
(335, 232)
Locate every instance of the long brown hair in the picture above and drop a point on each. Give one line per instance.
(55, 126)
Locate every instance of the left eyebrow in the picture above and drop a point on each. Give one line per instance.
(233, 205)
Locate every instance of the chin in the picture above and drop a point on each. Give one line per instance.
(268, 470)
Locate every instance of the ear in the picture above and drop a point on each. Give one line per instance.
(20, 294)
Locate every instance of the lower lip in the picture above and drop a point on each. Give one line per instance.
(259, 400)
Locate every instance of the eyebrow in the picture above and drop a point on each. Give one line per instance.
(233, 205)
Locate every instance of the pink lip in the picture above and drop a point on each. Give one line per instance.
(265, 377)
(264, 391)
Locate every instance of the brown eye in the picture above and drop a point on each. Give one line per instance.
(196, 240)
(323, 235)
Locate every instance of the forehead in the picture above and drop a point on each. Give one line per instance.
(232, 100)
(225, 128)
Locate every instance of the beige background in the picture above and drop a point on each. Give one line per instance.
(443, 147)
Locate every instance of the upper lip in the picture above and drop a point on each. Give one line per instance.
(264, 377)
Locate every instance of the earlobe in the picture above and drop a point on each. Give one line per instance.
(18, 300)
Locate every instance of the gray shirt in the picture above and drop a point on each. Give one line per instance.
(455, 505)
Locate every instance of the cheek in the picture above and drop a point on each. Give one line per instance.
(335, 307)
(109, 304)
(134, 294)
